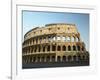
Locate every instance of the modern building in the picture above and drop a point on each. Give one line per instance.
(58, 42)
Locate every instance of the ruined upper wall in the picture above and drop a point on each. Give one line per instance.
(55, 28)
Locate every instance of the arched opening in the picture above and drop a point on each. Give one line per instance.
(48, 59)
(42, 59)
(58, 48)
(36, 40)
(30, 59)
(34, 59)
(74, 48)
(53, 59)
(82, 48)
(69, 58)
(64, 48)
(58, 59)
(78, 47)
(53, 48)
(79, 58)
(35, 49)
(48, 48)
(38, 59)
(74, 58)
(64, 59)
(83, 57)
(69, 48)
(44, 49)
(39, 48)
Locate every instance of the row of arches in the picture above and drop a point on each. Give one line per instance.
(50, 38)
(49, 48)
(32, 59)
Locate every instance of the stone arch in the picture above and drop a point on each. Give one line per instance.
(38, 59)
(39, 49)
(58, 48)
(74, 48)
(35, 49)
(69, 58)
(58, 59)
(79, 57)
(53, 58)
(82, 48)
(83, 57)
(48, 48)
(48, 59)
(64, 48)
(64, 58)
(69, 48)
(74, 58)
(42, 59)
(53, 48)
(44, 49)
(34, 59)
(78, 48)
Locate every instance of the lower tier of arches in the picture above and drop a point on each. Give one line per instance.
(53, 58)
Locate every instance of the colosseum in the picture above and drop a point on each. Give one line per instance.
(54, 43)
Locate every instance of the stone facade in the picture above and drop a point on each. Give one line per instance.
(58, 42)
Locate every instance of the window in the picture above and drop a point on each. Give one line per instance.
(78, 47)
(69, 48)
(58, 48)
(64, 48)
(74, 48)
(53, 48)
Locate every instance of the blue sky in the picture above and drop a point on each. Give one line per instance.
(33, 19)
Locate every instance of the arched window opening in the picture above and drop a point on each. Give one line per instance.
(82, 48)
(39, 48)
(53, 48)
(53, 59)
(36, 40)
(59, 48)
(48, 59)
(74, 58)
(69, 48)
(74, 48)
(42, 59)
(78, 47)
(34, 59)
(38, 59)
(69, 58)
(58, 59)
(44, 49)
(79, 57)
(64, 48)
(64, 58)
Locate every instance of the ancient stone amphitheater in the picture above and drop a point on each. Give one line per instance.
(58, 42)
